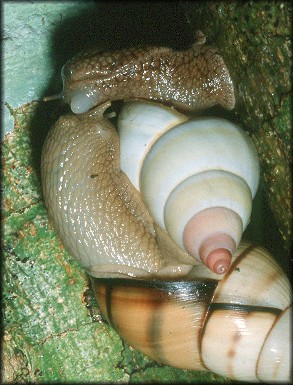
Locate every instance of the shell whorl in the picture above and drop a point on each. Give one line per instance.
(91, 209)
(206, 324)
(197, 177)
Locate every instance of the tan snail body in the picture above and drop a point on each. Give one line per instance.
(135, 264)
(196, 78)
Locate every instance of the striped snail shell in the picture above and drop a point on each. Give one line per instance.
(238, 326)
(197, 177)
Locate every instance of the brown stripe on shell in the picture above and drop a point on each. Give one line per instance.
(254, 278)
(161, 319)
(238, 333)
(243, 308)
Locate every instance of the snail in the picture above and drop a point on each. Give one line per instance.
(135, 264)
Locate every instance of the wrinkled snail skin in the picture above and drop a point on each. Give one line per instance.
(225, 326)
(196, 78)
(98, 214)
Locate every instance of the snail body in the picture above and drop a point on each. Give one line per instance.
(90, 210)
(178, 311)
(192, 79)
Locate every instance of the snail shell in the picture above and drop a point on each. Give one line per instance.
(225, 326)
(197, 177)
(91, 209)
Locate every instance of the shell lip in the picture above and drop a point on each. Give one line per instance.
(179, 287)
(245, 308)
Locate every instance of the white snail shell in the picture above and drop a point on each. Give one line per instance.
(197, 177)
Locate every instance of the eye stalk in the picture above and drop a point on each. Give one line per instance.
(53, 97)
(82, 101)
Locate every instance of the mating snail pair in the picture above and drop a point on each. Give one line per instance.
(141, 206)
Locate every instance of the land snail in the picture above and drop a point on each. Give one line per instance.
(142, 205)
